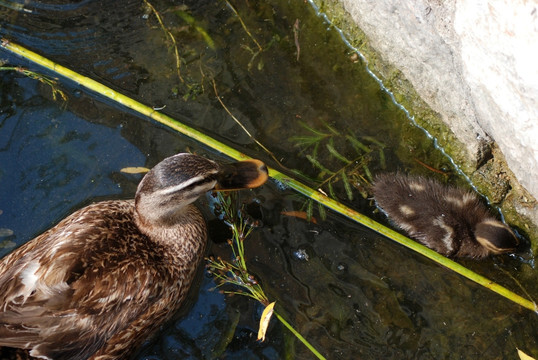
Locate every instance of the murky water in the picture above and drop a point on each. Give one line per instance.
(350, 292)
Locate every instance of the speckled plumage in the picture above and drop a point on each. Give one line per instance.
(107, 276)
(448, 220)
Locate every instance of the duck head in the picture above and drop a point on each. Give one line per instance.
(495, 236)
(166, 190)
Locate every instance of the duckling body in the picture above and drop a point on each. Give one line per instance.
(448, 220)
(103, 279)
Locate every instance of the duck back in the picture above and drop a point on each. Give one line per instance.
(94, 286)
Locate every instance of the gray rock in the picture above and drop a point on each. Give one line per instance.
(474, 62)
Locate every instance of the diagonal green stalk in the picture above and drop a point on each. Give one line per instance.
(299, 336)
(275, 174)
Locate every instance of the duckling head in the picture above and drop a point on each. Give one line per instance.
(495, 236)
(168, 188)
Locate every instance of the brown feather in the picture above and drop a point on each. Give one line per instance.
(88, 275)
(96, 285)
(448, 220)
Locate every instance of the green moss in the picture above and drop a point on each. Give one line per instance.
(496, 182)
(394, 80)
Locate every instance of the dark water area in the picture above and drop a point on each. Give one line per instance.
(352, 293)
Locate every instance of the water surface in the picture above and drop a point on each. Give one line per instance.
(351, 292)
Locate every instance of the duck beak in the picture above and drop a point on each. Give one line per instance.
(246, 174)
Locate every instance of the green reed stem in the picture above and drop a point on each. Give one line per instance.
(299, 336)
(275, 174)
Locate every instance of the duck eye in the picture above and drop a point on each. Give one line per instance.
(199, 186)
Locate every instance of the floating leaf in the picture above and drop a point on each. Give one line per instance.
(264, 321)
(134, 170)
(7, 244)
(301, 215)
(524, 356)
(5, 232)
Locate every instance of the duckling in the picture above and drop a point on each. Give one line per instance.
(98, 283)
(448, 220)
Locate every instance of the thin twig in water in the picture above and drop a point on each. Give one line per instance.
(243, 25)
(431, 168)
(169, 34)
(243, 127)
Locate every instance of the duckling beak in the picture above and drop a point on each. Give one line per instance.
(246, 174)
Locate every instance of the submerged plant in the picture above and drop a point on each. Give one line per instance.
(235, 273)
(188, 87)
(52, 82)
(322, 148)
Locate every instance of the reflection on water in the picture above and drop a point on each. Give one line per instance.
(351, 293)
(53, 161)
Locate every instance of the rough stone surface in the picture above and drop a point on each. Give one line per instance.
(474, 62)
(498, 48)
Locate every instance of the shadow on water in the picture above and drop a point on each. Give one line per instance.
(349, 291)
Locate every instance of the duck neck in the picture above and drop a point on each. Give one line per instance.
(183, 231)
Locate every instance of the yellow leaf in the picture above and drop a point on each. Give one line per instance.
(524, 356)
(5, 232)
(264, 321)
(134, 170)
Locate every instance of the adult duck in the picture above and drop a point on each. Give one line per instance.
(107, 276)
